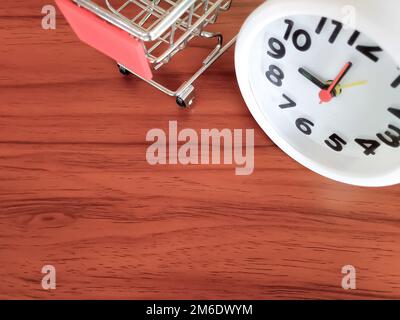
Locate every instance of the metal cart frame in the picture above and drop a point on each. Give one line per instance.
(165, 27)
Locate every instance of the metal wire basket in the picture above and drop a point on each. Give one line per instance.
(161, 28)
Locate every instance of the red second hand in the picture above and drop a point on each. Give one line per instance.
(326, 94)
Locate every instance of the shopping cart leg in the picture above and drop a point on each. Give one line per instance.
(186, 97)
(185, 94)
(123, 71)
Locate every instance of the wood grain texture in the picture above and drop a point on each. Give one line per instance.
(76, 190)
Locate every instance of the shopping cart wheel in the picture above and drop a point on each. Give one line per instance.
(123, 71)
(186, 97)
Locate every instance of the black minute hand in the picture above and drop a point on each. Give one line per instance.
(320, 84)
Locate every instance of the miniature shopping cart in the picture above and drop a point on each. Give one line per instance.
(144, 35)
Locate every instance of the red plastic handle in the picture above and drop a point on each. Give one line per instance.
(106, 38)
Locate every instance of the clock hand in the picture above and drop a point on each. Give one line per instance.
(354, 84)
(320, 84)
(339, 88)
(326, 95)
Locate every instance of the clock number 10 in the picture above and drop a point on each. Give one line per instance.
(301, 41)
(301, 38)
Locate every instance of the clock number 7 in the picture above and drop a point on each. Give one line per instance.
(289, 103)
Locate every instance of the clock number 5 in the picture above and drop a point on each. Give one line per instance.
(336, 143)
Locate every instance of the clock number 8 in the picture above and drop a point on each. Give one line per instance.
(275, 75)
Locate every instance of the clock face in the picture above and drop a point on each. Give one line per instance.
(331, 93)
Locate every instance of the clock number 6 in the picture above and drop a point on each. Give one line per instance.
(304, 126)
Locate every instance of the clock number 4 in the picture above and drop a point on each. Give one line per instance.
(370, 146)
(389, 138)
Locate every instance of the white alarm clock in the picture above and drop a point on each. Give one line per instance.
(322, 79)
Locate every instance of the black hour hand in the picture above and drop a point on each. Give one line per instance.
(320, 84)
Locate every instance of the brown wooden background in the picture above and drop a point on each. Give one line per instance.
(76, 191)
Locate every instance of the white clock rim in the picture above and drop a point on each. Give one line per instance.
(273, 10)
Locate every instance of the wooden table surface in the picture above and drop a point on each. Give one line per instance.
(76, 191)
